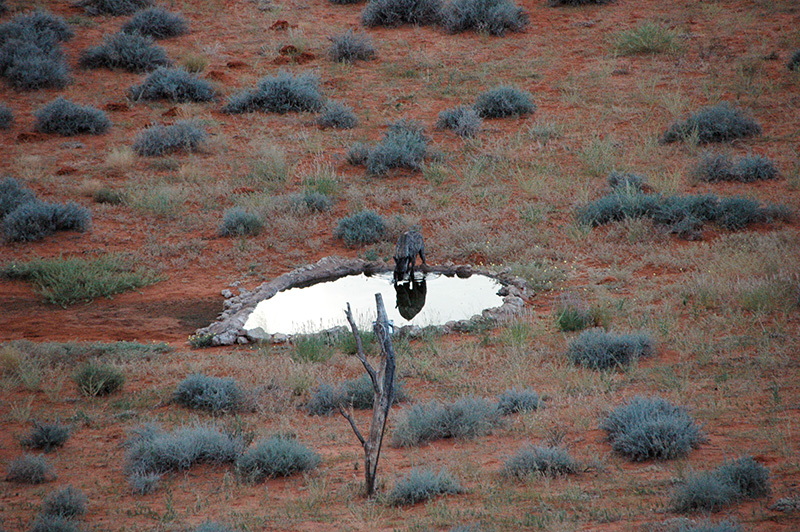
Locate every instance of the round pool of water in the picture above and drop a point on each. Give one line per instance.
(433, 299)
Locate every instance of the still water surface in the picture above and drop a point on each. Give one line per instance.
(433, 301)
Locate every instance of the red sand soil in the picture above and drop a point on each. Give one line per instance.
(189, 296)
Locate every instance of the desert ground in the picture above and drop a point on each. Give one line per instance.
(719, 304)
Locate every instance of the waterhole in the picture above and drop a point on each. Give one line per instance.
(430, 299)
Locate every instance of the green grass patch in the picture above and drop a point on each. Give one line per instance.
(66, 281)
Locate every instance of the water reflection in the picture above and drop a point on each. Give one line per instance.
(411, 296)
(433, 299)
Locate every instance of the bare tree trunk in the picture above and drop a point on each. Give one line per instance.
(383, 390)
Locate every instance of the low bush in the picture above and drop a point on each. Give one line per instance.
(157, 23)
(626, 182)
(467, 417)
(517, 400)
(737, 213)
(125, 51)
(495, 17)
(65, 281)
(34, 220)
(282, 93)
(421, 485)
(214, 394)
(6, 117)
(361, 228)
(350, 47)
(12, 195)
(30, 55)
(211, 526)
(645, 429)
(393, 13)
(313, 202)
(683, 215)
(548, 461)
(158, 140)
(337, 115)
(275, 457)
(463, 120)
(46, 436)
(725, 485)
(404, 145)
(597, 349)
(114, 7)
(708, 526)
(356, 393)
(239, 222)
(95, 379)
(172, 84)
(719, 123)
(714, 167)
(755, 168)
(358, 154)
(504, 101)
(153, 452)
(794, 61)
(573, 314)
(67, 502)
(646, 38)
(68, 118)
(30, 469)
(109, 195)
(54, 523)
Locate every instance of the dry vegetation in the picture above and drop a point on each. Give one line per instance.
(719, 307)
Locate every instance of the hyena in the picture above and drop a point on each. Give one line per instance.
(409, 245)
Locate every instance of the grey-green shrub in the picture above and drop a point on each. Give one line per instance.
(68, 118)
(718, 123)
(12, 195)
(153, 451)
(239, 222)
(34, 220)
(275, 457)
(515, 400)
(362, 228)
(548, 461)
(358, 154)
(755, 168)
(46, 436)
(125, 51)
(572, 313)
(357, 393)
(183, 135)
(215, 394)
(794, 61)
(708, 526)
(30, 469)
(212, 526)
(421, 485)
(337, 115)
(313, 202)
(281, 93)
(714, 167)
(54, 523)
(468, 417)
(462, 120)
(157, 23)
(495, 17)
(6, 117)
(114, 7)
(30, 54)
(95, 379)
(504, 101)
(404, 145)
(598, 349)
(736, 213)
(393, 13)
(67, 502)
(349, 47)
(172, 84)
(626, 181)
(725, 485)
(651, 428)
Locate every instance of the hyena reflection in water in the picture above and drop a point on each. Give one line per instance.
(409, 245)
(410, 296)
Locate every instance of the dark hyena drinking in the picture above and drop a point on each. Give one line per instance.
(409, 245)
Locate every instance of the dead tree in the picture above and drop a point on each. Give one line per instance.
(383, 390)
